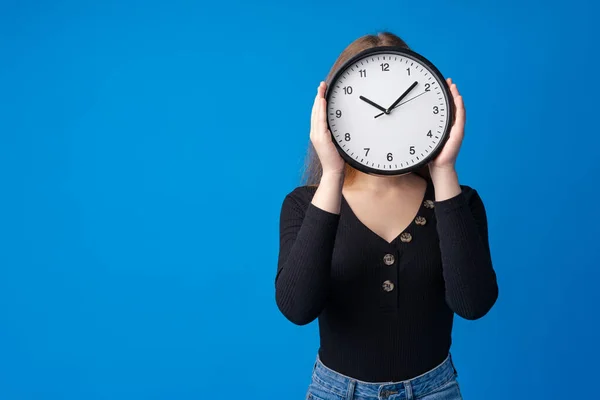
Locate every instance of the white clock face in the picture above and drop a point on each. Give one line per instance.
(371, 132)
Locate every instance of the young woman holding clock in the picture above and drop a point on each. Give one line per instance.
(384, 260)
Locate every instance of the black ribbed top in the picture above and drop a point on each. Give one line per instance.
(385, 310)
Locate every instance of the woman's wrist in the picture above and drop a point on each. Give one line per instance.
(333, 181)
(329, 193)
(332, 176)
(446, 183)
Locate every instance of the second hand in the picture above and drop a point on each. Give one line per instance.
(412, 98)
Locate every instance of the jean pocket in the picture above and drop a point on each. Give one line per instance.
(318, 392)
(311, 396)
(448, 391)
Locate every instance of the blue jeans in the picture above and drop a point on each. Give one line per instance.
(438, 383)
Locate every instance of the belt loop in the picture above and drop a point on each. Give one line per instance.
(409, 390)
(350, 391)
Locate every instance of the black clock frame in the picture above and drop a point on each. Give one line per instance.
(444, 87)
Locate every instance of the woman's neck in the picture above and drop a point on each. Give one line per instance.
(383, 184)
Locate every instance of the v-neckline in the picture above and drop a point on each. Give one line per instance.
(426, 195)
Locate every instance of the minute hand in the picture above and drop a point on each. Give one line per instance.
(404, 102)
(399, 99)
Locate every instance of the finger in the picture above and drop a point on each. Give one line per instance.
(314, 108)
(459, 119)
(458, 103)
(454, 89)
(320, 95)
(462, 104)
(321, 91)
(321, 122)
(323, 116)
(460, 107)
(317, 97)
(317, 110)
(455, 92)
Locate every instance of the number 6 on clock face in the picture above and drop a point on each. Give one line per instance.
(389, 111)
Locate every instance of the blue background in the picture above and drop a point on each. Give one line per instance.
(145, 150)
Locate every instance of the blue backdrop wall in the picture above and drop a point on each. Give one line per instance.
(145, 150)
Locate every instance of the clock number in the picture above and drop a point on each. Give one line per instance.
(385, 67)
(347, 89)
(347, 137)
(363, 73)
(435, 109)
(338, 113)
(429, 133)
(367, 149)
(412, 149)
(389, 157)
(427, 87)
(408, 69)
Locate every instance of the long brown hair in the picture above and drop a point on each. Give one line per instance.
(312, 165)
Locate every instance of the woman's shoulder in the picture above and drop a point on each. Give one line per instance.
(297, 200)
(302, 194)
(469, 196)
(468, 190)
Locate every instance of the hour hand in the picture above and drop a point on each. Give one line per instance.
(373, 104)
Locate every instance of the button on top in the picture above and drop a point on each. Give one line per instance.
(388, 259)
(388, 286)
(406, 237)
(428, 204)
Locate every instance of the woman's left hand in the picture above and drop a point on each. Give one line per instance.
(446, 159)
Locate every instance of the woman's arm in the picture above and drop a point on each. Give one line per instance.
(307, 236)
(471, 286)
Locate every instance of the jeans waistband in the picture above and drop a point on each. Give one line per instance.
(346, 386)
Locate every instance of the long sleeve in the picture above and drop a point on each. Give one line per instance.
(470, 279)
(307, 236)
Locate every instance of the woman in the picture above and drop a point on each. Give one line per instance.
(383, 262)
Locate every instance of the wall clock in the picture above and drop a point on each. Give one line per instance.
(389, 110)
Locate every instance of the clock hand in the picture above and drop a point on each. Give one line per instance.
(404, 102)
(403, 95)
(374, 104)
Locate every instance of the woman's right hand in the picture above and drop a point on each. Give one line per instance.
(320, 136)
